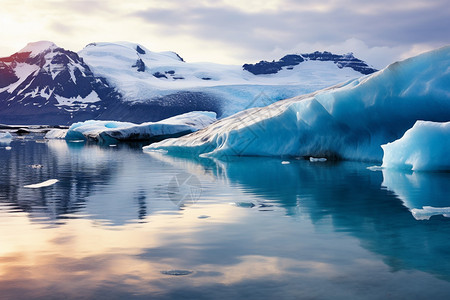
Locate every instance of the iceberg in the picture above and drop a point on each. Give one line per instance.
(56, 134)
(424, 147)
(348, 121)
(5, 138)
(112, 131)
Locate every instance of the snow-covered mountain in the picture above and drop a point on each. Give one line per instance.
(123, 81)
(43, 82)
(290, 61)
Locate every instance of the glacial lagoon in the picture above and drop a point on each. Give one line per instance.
(123, 224)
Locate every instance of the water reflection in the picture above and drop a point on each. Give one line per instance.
(426, 194)
(298, 230)
(101, 183)
(355, 200)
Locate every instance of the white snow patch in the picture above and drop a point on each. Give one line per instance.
(91, 98)
(38, 47)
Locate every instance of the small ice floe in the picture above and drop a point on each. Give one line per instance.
(317, 159)
(36, 166)
(285, 162)
(177, 272)
(428, 211)
(42, 184)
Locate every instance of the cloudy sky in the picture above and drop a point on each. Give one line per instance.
(233, 31)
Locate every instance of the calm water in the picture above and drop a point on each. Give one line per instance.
(122, 224)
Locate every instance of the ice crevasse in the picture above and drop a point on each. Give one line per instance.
(347, 121)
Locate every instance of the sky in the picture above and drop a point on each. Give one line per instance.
(233, 31)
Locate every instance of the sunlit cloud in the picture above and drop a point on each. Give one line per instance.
(232, 31)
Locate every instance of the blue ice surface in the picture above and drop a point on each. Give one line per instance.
(112, 131)
(349, 121)
(5, 138)
(82, 130)
(424, 147)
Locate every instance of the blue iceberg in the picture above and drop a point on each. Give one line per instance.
(424, 147)
(347, 121)
(5, 138)
(113, 131)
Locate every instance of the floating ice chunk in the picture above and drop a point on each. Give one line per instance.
(112, 131)
(317, 159)
(5, 136)
(424, 147)
(56, 134)
(42, 184)
(171, 127)
(5, 139)
(90, 130)
(427, 212)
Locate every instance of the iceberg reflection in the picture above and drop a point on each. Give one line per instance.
(357, 202)
(425, 194)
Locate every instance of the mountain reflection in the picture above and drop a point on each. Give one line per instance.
(96, 182)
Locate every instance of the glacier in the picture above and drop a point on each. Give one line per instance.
(424, 147)
(141, 75)
(113, 131)
(347, 121)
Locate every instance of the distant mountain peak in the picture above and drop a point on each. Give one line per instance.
(291, 60)
(35, 48)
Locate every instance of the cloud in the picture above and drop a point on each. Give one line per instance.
(236, 31)
(383, 26)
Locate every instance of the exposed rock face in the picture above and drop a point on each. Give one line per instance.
(291, 60)
(45, 81)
